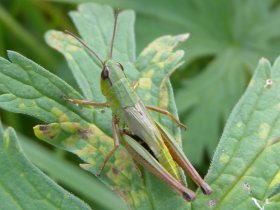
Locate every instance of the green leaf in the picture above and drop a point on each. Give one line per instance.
(23, 186)
(30, 89)
(245, 167)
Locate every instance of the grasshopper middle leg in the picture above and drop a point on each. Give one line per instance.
(167, 113)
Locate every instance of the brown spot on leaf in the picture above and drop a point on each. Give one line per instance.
(46, 132)
(246, 186)
(43, 127)
(115, 171)
(85, 133)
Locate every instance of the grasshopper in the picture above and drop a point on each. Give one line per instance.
(145, 139)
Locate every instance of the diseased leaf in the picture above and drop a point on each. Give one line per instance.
(245, 167)
(23, 186)
(156, 63)
(93, 146)
(79, 181)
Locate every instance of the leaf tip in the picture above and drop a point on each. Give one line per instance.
(11, 53)
(263, 60)
(85, 166)
(183, 37)
(41, 131)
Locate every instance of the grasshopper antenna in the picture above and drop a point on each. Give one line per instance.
(85, 45)
(114, 33)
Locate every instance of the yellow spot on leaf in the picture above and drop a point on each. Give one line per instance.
(147, 97)
(163, 102)
(86, 154)
(264, 130)
(224, 158)
(60, 115)
(72, 48)
(278, 107)
(276, 180)
(251, 83)
(70, 127)
(22, 105)
(145, 83)
(71, 141)
(68, 57)
(149, 74)
(87, 150)
(239, 124)
(137, 197)
(104, 151)
(7, 140)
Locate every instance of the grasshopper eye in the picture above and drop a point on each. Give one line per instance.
(105, 73)
(120, 65)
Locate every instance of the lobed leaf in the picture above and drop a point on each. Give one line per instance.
(33, 189)
(245, 168)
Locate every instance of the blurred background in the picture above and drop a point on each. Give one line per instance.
(228, 37)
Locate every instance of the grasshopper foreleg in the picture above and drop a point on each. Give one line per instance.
(85, 102)
(167, 113)
(116, 144)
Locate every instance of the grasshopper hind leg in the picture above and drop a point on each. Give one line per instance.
(167, 113)
(144, 158)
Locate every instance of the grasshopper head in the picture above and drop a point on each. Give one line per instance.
(112, 71)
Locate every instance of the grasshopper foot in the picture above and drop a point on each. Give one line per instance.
(189, 195)
(206, 189)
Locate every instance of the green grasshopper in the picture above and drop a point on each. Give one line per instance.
(145, 139)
